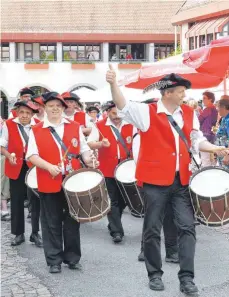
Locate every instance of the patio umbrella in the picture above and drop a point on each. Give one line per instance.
(204, 67)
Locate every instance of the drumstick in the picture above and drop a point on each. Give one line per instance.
(63, 158)
(98, 129)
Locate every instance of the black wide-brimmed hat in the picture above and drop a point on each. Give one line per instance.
(72, 96)
(38, 99)
(26, 91)
(92, 108)
(53, 96)
(169, 81)
(108, 105)
(27, 104)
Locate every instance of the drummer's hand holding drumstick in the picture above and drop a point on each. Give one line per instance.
(226, 160)
(54, 170)
(105, 142)
(12, 159)
(90, 159)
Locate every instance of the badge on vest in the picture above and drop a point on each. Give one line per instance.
(74, 142)
(129, 139)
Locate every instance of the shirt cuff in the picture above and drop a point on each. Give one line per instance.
(122, 112)
(3, 143)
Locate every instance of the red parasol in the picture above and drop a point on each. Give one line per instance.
(205, 68)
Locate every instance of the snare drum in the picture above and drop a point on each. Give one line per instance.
(209, 190)
(86, 195)
(127, 183)
(31, 180)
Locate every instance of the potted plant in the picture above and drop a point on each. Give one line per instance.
(36, 65)
(129, 64)
(83, 65)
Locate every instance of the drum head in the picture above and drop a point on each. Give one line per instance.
(125, 171)
(210, 182)
(31, 179)
(81, 181)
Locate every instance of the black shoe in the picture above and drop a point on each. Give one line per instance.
(174, 258)
(36, 238)
(55, 268)
(189, 288)
(18, 240)
(29, 215)
(6, 217)
(156, 284)
(117, 237)
(141, 257)
(74, 266)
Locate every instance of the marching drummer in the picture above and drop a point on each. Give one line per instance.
(163, 167)
(14, 141)
(25, 94)
(74, 112)
(112, 137)
(54, 147)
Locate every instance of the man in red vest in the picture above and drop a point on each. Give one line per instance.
(74, 112)
(163, 167)
(14, 141)
(25, 95)
(110, 153)
(49, 140)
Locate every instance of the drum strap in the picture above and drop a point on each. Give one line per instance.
(63, 146)
(121, 140)
(182, 136)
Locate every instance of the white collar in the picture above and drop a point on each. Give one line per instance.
(162, 109)
(32, 122)
(47, 124)
(109, 123)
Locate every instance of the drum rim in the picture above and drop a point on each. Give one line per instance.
(116, 168)
(81, 193)
(26, 176)
(204, 169)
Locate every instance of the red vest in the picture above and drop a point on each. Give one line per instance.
(15, 145)
(36, 120)
(80, 117)
(108, 156)
(157, 156)
(49, 151)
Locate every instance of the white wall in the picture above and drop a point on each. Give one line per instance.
(59, 77)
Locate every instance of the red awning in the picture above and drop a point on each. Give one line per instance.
(208, 27)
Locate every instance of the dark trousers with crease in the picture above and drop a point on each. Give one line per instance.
(117, 207)
(170, 232)
(59, 230)
(34, 209)
(156, 201)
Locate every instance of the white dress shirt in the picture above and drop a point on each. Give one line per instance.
(138, 114)
(32, 146)
(94, 135)
(5, 134)
(88, 123)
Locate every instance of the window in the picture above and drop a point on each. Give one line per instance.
(225, 31)
(124, 51)
(5, 52)
(191, 43)
(202, 41)
(28, 51)
(47, 52)
(209, 38)
(162, 51)
(79, 52)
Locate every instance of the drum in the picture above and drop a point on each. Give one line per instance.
(125, 177)
(86, 194)
(209, 190)
(31, 180)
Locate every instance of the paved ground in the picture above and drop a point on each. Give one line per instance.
(111, 270)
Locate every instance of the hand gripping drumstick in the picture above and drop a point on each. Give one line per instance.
(63, 158)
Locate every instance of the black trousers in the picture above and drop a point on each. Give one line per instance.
(170, 232)
(117, 207)
(156, 201)
(34, 202)
(59, 230)
(18, 190)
